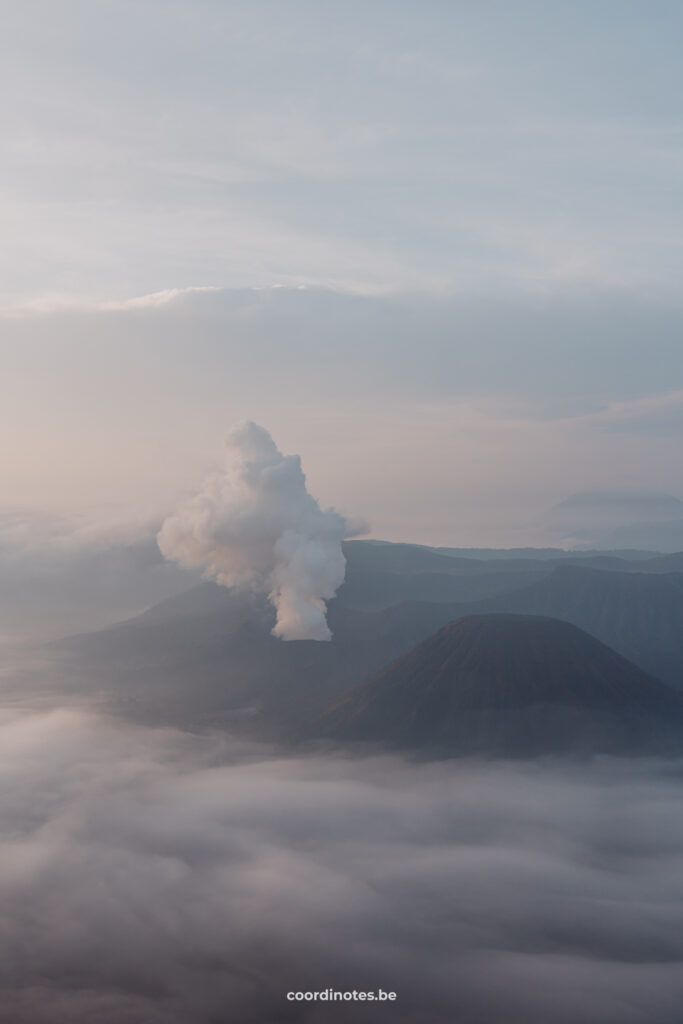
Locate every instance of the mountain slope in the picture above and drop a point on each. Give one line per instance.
(206, 655)
(507, 684)
(640, 615)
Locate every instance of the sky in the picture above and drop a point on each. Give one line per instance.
(433, 248)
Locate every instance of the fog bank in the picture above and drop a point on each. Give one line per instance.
(153, 875)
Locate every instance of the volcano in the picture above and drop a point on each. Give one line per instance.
(509, 684)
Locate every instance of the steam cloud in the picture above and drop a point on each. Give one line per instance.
(256, 525)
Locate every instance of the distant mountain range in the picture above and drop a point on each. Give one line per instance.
(639, 614)
(619, 507)
(206, 656)
(634, 606)
(512, 685)
(610, 519)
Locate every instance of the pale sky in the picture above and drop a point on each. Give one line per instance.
(433, 247)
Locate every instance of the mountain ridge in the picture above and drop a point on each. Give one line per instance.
(506, 683)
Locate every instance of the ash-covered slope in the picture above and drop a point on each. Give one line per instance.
(509, 684)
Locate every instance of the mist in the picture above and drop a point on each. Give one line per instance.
(150, 874)
(62, 575)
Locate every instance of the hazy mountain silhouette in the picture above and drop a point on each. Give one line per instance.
(657, 536)
(208, 655)
(618, 507)
(610, 519)
(639, 614)
(376, 588)
(508, 684)
(381, 574)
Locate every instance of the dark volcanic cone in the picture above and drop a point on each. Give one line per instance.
(509, 684)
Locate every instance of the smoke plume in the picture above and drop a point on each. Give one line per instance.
(254, 524)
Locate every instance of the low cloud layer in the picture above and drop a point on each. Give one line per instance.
(152, 875)
(256, 525)
(61, 575)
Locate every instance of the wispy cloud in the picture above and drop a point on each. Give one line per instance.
(394, 150)
(64, 303)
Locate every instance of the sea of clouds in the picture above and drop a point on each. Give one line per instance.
(153, 875)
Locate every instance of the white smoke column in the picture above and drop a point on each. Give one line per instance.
(256, 525)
